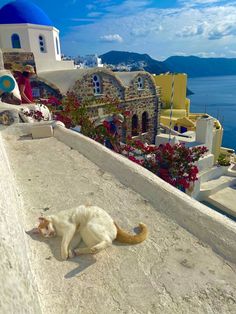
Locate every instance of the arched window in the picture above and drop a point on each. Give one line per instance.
(144, 122)
(42, 44)
(57, 46)
(140, 82)
(15, 41)
(134, 125)
(97, 86)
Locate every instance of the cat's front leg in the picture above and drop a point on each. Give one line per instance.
(72, 253)
(66, 239)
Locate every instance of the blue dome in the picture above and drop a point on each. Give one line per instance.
(23, 12)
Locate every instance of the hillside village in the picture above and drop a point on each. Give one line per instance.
(52, 159)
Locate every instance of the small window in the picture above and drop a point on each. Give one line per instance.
(144, 122)
(140, 83)
(183, 129)
(42, 44)
(15, 40)
(57, 46)
(97, 86)
(120, 93)
(134, 125)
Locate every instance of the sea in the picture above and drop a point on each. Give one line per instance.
(217, 97)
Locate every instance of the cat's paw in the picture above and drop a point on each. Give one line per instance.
(64, 256)
(72, 253)
(76, 252)
(94, 250)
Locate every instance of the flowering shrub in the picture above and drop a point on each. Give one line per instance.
(72, 112)
(223, 160)
(35, 114)
(173, 163)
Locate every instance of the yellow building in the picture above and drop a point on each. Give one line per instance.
(173, 88)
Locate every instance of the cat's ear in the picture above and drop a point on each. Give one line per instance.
(45, 219)
(41, 219)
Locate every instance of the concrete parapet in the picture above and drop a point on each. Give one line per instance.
(206, 162)
(42, 131)
(18, 293)
(209, 226)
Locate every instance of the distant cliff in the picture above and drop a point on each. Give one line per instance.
(193, 66)
(134, 61)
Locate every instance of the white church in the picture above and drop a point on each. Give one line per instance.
(24, 27)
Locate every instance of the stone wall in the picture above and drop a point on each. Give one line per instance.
(131, 99)
(14, 59)
(138, 107)
(42, 89)
(148, 88)
(111, 87)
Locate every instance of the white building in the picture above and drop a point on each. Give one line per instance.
(89, 61)
(25, 27)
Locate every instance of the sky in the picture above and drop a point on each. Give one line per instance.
(205, 28)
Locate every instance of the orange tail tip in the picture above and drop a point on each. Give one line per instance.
(126, 237)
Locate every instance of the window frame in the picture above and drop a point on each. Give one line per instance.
(15, 40)
(140, 83)
(42, 43)
(95, 86)
(57, 46)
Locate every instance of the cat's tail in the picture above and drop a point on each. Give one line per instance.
(126, 237)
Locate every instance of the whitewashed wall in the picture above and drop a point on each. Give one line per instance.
(18, 293)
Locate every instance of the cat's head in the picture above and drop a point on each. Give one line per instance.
(46, 228)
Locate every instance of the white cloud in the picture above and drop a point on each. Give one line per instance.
(94, 14)
(111, 38)
(161, 32)
(221, 30)
(192, 30)
(82, 19)
(193, 3)
(128, 7)
(209, 54)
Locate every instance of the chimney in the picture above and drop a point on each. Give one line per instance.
(204, 131)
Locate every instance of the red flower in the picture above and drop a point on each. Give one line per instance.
(137, 161)
(53, 101)
(127, 113)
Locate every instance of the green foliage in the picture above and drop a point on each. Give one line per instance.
(223, 160)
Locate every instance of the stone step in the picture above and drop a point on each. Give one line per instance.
(210, 174)
(210, 187)
(225, 200)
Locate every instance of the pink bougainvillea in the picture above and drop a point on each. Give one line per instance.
(176, 164)
(173, 163)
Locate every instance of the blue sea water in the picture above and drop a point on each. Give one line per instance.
(217, 97)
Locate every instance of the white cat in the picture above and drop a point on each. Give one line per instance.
(95, 227)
